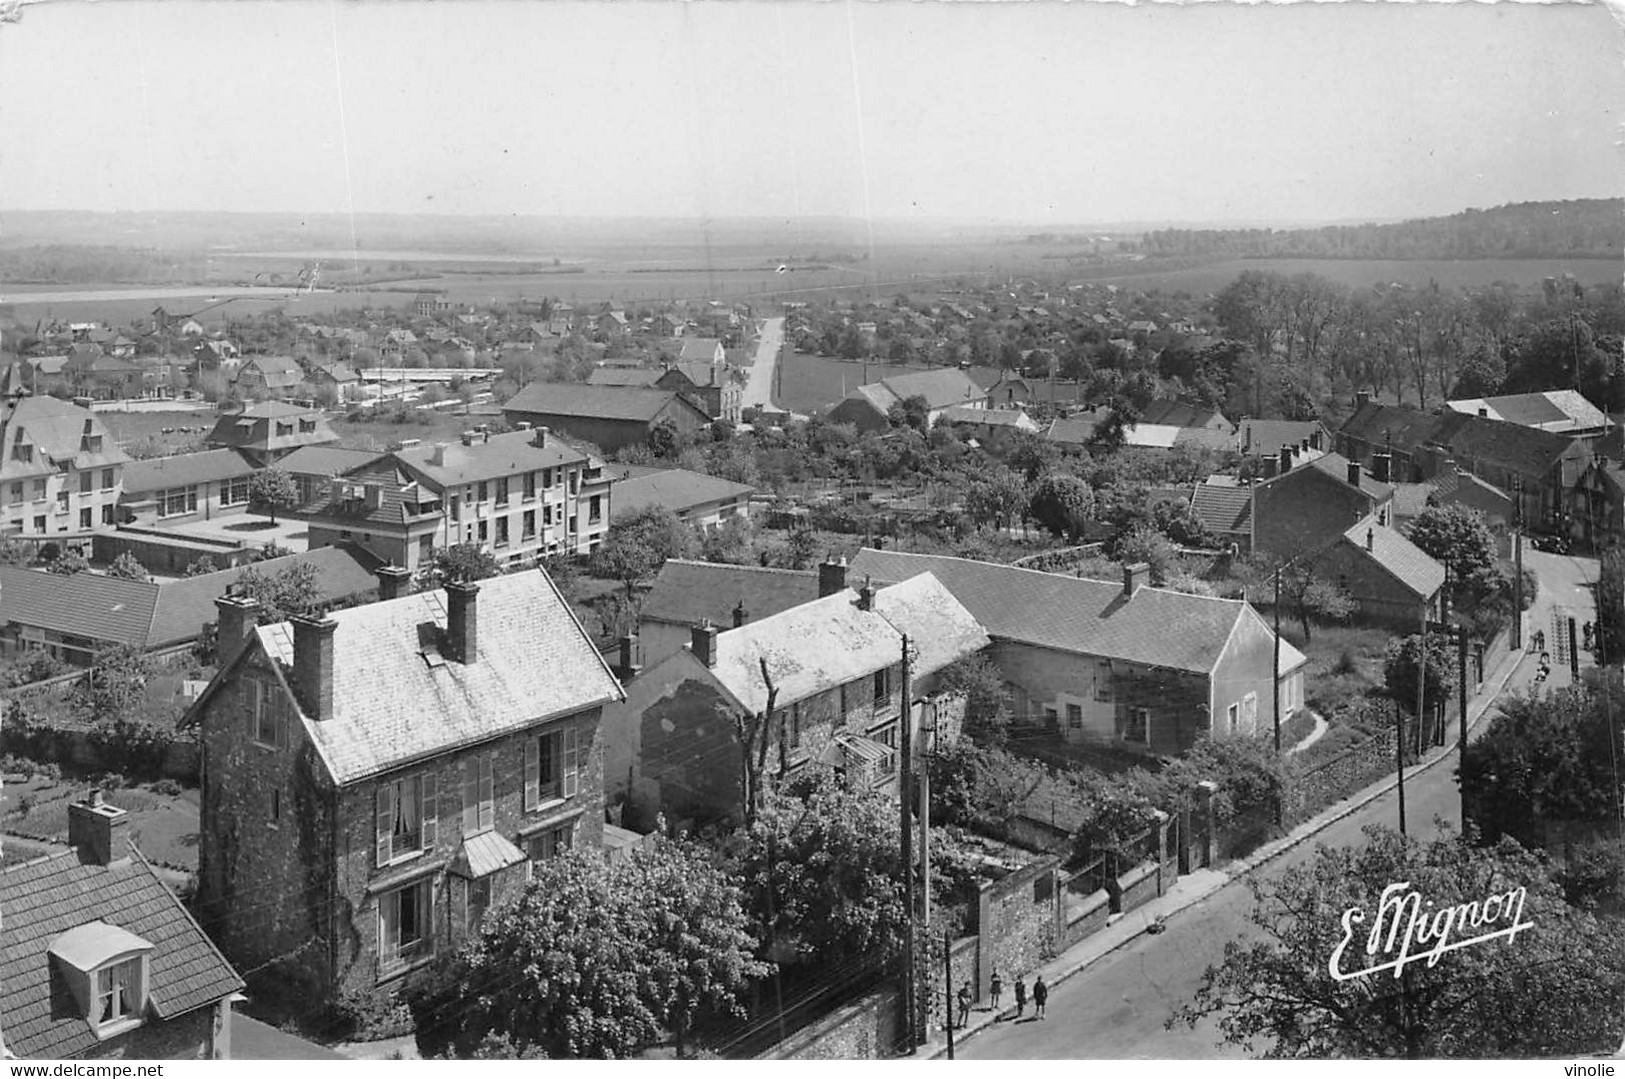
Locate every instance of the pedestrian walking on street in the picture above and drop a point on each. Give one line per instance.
(964, 1004)
(1040, 996)
(995, 990)
(1021, 998)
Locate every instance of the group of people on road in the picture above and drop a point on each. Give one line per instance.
(1040, 997)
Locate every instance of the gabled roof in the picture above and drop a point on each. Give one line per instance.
(1076, 430)
(183, 470)
(1399, 557)
(392, 708)
(1560, 411)
(624, 376)
(255, 428)
(326, 460)
(676, 489)
(1013, 418)
(1405, 428)
(42, 899)
(279, 371)
(1181, 414)
(1335, 466)
(596, 402)
(1157, 627)
(701, 349)
(940, 387)
(1261, 438)
(1222, 508)
(1453, 481)
(939, 628)
(399, 498)
(828, 642)
(57, 431)
(687, 592)
(508, 454)
(185, 606)
(338, 371)
(1513, 446)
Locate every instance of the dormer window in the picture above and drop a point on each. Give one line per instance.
(107, 969)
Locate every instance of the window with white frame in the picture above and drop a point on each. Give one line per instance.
(176, 501)
(264, 704)
(1232, 717)
(119, 995)
(407, 817)
(552, 767)
(479, 793)
(405, 925)
(550, 842)
(234, 492)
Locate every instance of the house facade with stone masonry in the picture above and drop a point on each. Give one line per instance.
(1304, 507)
(523, 495)
(1392, 581)
(269, 431)
(100, 961)
(686, 593)
(843, 691)
(185, 487)
(373, 781)
(609, 417)
(60, 470)
(1130, 666)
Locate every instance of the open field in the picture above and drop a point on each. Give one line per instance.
(187, 429)
(1361, 273)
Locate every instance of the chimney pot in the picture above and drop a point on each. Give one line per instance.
(439, 457)
(539, 440)
(1135, 577)
(1483, 412)
(1362, 398)
(238, 615)
(866, 596)
(831, 577)
(1286, 459)
(1370, 538)
(462, 621)
(393, 581)
(1314, 440)
(1354, 473)
(740, 614)
(99, 831)
(628, 666)
(468, 438)
(1270, 466)
(703, 643)
(313, 663)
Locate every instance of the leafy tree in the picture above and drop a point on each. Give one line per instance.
(1553, 991)
(987, 702)
(68, 562)
(1611, 607)
(113, 686)
(1062, 504)
(595, 960)
(272, 489)
(1459, 538)
(1151, 547)
(639, 543)
(460, 563)
(289, 591)
(33, 665)
(199, 567)
(1404, 661)
(826, 862)
(981, 787)
(1546, 757)
(999, 499)
(127, 567)
(14, 552)
(272, 549)
(666, 440)
(909, 412)
(1304, 592)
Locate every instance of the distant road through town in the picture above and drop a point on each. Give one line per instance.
(759, 385)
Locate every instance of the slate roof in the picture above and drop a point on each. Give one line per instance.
(56, 429)
(1074, 430)
(676, 489)
(1513, 446)
(391, 707)
(938, 626)
(1336, 466)
(149, 614)
(1402, 559)
(1181, 414)
(597, 402)
(1013, 418)
(702, 349)
(1554, 410)
(501, 455)
(326, 460)
(400, 495)
(686, 592)
(1222, 508)
(1157, 627)
(183, 470)
(1261, 438)
(1409, 429)
(42, 899)
(828, 642)
(1411, 499)
(1453, 481)
(624, 376)
(254, 428)
(280, 372)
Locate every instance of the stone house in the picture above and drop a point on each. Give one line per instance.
(1307, 506)
(269, 431)
(1401, 433)
(375, 780)
(99, 960)
(1538, 468)
(1129, 666)
(843, 691)
(609, 417)
(1393, 581)
(60, 470)
(686, 593)
(1599, 505)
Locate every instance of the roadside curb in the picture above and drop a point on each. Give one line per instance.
(1243, 867)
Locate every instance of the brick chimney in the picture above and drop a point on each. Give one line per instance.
(1314, 439)
(1483, 413)
(1271, 466)
(831, 577)
(1362, 398)
(462, 622)
(313, 663)
(1135, 577)
(741, 616)
(1370, 538)
(866, 596)
(627, 666)
(539, 438)
(1354, 473)
(1286, 459)
(100, 832)
(704, 643)
(393, 582)
(238, 616)
(1381, 467)
(438, 458)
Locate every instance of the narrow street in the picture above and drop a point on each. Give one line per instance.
(1117, 1008)
(759, 383)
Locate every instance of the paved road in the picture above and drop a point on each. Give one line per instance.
(759, 384)
(1117, 1008)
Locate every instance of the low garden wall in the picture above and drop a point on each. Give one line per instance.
(866, 1029)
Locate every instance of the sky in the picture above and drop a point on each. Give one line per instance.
(1036, 112)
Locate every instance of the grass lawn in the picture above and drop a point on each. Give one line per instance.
(1345, 662)
(164, 826)
(437, 426)
(187, 427)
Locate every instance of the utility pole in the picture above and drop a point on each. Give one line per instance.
(1421, 680)
(1517, 559)
(922, 777)
(948, 988)
(905, 781)
(1574, 653)
(1399, 752)
(1276, 668)
(1461, 750)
